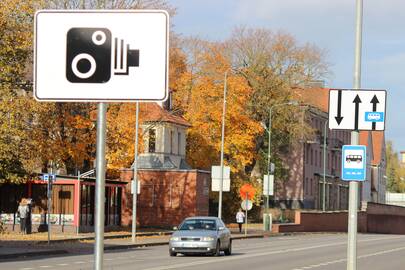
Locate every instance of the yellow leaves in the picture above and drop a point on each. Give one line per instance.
(204, 92)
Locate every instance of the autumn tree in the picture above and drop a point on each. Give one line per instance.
(273, 63)
(394, 171)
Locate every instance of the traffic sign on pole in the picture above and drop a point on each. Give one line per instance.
(357, 109)
(354, 162)
(268, 185)
(216, 178)
(99, 55)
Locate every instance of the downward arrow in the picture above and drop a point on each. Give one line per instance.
(374, 101)
(339, 117)
(356, 101)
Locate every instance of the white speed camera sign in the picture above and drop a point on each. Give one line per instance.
(114, 55)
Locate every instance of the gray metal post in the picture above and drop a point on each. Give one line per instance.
(268, 166)
(49, 210)
(353, 192)
(222, 150)
(324, 167)
(100, 186)
(50, 202)
(135, 187)
(246, 211)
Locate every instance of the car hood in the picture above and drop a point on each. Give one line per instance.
(195, 233)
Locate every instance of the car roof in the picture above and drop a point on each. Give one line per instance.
(202, 217)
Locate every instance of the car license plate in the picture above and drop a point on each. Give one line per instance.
(189, 245)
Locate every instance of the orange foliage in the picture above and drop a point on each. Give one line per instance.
(203, 109)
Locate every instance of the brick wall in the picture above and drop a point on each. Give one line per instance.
(167, 197)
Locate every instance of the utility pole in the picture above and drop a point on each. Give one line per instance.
(324, 166)
(221, 182)
(135, 185)
(100, 186)
(354, 186)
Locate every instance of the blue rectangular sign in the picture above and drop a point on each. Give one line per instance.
(374, 117)
(354, 162)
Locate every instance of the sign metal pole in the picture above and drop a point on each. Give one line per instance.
(354, 187)
(49, 208)
(100, 186)
(246, 210)
(135, 186)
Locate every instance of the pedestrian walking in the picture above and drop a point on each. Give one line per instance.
(22, 212)
(240, 218)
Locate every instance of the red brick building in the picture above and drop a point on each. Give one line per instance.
(304, 161)
(170, 189)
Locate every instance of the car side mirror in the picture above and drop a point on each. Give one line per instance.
(175, 228)
(221, 228)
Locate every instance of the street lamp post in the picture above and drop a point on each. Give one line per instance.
(293, 102)
(324, 166)
(222, 148)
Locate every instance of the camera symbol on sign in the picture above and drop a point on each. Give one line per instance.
(90, 53)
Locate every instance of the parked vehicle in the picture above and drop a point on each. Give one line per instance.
(205, 235)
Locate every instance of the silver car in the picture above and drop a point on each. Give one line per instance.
(207, 235)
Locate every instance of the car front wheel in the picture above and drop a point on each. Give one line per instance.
(217, 250)
(228, 251)
(172, 254)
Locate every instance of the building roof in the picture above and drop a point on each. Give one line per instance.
(378, 147)
(152, 112)
(378, 142)
(317, 97)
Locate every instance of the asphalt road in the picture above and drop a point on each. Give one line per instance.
(300, 252)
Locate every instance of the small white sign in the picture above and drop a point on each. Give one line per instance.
(138, 187)
(216, 178)
(246, 205)
(267, 184)
(100, 55)
(226, 185)
(357, 109)
(216, 172)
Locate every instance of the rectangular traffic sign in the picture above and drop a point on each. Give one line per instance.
(216, 178)
(100, 55)
(354, 162)
(357, 109)
(268, 185)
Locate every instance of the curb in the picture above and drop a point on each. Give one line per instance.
(105, 237)
(12, 256)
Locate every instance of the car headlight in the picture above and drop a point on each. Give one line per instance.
(208, 238)
(174, 238)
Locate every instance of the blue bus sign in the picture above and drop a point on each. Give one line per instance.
(374, 117)
(354, 163)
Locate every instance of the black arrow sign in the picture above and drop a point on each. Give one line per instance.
(374, 101)
(339, 117)
(356, 100)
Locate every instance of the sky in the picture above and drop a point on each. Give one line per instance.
(330, 24)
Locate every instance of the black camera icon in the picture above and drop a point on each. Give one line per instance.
(90, 53)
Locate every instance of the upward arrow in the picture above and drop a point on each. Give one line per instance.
(356, 101)
(374, 101)
(339, 117)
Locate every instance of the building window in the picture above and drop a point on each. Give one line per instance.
(152, 141)
(178, 142)
(171, 142)
(312, 157)
(306, 186)
(316, 158)
(310, 187)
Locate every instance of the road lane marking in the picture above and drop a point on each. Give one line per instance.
(62, 264)
(245, 256)
(358, 257)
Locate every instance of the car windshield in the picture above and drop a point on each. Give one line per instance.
(198, 224)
